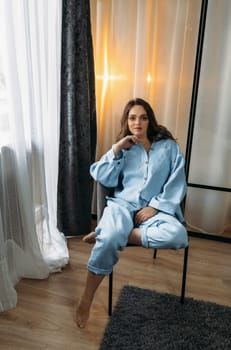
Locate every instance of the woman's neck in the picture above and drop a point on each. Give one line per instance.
(146, 144)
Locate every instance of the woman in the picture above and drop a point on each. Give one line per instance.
(146, 169)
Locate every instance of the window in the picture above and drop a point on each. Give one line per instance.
(4, 115)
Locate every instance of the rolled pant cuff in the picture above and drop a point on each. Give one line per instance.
(144, 238)
(98, 271)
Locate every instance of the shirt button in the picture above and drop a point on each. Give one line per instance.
(145, 178)
(146, 162)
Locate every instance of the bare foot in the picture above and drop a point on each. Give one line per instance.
(82, 314)
(90, 238)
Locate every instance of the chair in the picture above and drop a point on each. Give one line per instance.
(102, 192)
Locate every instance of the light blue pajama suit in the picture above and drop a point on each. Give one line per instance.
(140, 179)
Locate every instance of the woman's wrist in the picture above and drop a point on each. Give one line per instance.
(155, 211)
(116, 149)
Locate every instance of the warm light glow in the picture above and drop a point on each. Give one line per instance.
(106, 77)
(108, 81)
(149, 78)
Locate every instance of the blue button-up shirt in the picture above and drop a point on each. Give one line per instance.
(156, 178)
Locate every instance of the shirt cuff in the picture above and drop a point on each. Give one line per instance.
(163, 206)
(118, 156)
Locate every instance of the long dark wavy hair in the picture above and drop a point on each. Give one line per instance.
(155, 131)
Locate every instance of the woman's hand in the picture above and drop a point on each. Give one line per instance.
(125, 143)
(145, 214)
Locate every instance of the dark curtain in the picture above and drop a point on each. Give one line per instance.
(78, 120)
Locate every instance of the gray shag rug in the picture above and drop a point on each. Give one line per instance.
(148, 320)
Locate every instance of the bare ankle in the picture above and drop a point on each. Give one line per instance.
(83, 312)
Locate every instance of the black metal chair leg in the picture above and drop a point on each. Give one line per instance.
(154, 253)
(184, 275)
(110, 294)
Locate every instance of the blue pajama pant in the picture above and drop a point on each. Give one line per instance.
(161, 231)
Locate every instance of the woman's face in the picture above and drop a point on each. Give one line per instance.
(138, 121)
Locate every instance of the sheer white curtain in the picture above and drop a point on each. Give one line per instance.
(147, 48)
(30, 244)
(210, 210)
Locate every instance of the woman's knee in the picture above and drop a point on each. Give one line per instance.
(179, 237)
(166, 237)
(107, 241)
(114, 228)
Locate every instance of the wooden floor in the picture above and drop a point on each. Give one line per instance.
(44, 317)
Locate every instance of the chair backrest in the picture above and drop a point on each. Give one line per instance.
(102, 192)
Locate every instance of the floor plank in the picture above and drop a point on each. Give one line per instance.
(44, 316)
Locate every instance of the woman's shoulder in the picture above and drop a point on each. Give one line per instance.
(167, 143)
(169, 146)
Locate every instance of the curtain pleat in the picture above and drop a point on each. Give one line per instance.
(30, 244)
(78, 120)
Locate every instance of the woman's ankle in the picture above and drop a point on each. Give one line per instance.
(83, 312)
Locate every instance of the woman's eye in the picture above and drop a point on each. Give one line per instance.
(133, 118)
